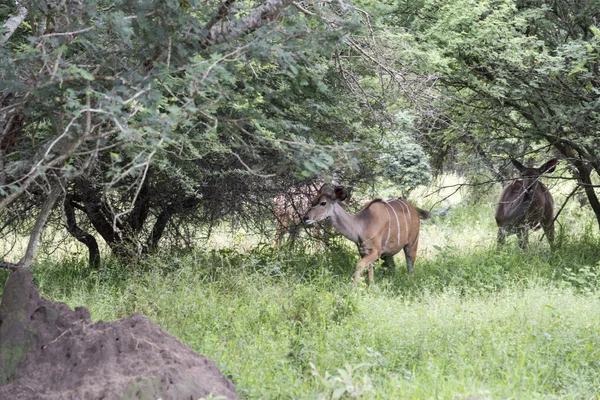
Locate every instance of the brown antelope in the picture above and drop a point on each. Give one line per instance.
(381, 229)
(525, 204)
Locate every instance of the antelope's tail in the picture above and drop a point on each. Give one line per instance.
(423, 214)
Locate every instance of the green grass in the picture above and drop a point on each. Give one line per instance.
(476, 322)
(494, 324)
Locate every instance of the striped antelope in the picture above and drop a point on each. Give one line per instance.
(380, 230)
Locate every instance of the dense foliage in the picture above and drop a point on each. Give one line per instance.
(148, 119)
(518, 79)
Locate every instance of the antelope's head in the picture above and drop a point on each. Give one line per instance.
(530, 176)
(322, 206)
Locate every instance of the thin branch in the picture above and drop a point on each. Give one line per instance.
(565, 203)
(250, 169)
(72, 33)
(304, 10)
(32, 175)
(8, 265)
(138, 189)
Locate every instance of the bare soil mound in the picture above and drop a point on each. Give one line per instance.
(48, 351)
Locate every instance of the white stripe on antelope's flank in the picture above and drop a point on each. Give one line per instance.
(409, 215)
(389, 224)
(397, 221)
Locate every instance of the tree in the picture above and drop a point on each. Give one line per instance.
(146, 117)
(517, 78)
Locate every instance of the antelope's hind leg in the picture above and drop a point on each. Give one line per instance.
(410, 251)
(389, 260)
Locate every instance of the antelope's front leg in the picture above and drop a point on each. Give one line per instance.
(371, 256)
(523, 236)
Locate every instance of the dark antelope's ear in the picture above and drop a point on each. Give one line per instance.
(549, 166)
(518, 165)
(340, 193)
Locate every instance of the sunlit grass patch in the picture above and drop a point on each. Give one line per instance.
(517, 342)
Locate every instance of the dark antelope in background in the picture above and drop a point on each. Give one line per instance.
(526, 204)
(380, 230)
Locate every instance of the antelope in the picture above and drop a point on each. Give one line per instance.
(525, 204)
(380, 230)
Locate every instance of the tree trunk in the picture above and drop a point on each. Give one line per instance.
(80, 234)
(158, 229)
(591, 193)
(583, 176)
(120, 236)
(36, 232)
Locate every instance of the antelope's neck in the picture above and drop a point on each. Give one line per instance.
(345, 222)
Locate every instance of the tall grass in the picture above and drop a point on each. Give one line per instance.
(283, 324)
(476, 322)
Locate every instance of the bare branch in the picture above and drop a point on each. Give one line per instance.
(304, 10)
(8, 265)
(32, 175)
(142, 179)
(268, 12)
(563, 206)
(13, 23)
(34, 236)
(72, 33)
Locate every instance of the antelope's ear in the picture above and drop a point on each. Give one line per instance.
(517, 165)
(340, 192)
(326, 189)
(549, 166)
